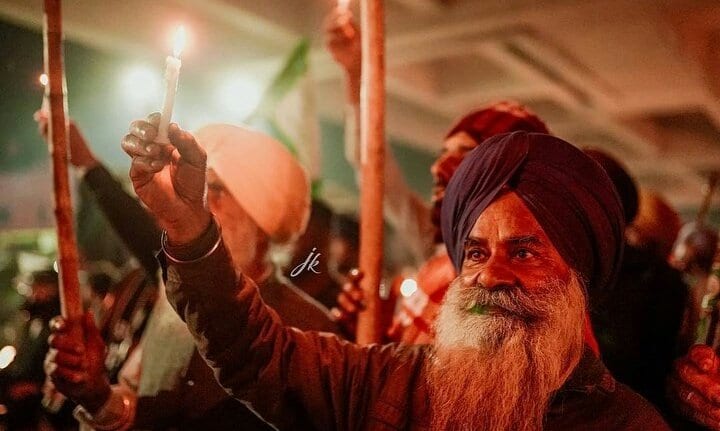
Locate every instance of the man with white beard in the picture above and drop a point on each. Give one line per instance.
(533, 227)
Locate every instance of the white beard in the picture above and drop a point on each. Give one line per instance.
(498, 371)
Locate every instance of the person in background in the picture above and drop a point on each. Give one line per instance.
(638, 322)
(166, 384)
(417, 223)
(22, 380)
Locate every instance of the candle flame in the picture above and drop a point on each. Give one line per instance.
(7, 355)
(408, 287)
(43, 78)
(179, 41)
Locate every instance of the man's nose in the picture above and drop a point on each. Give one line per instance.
(497, 274)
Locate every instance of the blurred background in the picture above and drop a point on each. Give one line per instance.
(636, 78)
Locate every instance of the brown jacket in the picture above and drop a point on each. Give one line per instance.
(308, 380)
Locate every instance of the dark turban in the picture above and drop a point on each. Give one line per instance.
(569, 194)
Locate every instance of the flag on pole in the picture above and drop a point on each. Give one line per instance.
(287, 111)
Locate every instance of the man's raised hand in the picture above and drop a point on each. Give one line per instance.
(169, 179)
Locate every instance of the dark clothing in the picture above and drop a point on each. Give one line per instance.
(195, 400)
(307, 380)
(638, 326)
(569, 194)
(133, 225)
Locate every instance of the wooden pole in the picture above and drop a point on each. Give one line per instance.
(55, 90)
(372, 141)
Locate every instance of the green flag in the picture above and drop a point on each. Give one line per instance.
(287, 111)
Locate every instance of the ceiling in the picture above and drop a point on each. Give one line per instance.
(637, 78)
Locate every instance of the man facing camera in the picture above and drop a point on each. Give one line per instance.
(534, 229)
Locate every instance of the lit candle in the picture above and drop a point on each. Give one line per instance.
(172, 73)
(45, 107)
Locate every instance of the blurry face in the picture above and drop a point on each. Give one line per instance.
(245, 241)
(454, 150)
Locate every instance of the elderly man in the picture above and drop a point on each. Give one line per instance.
(531, 224)
(166, 385)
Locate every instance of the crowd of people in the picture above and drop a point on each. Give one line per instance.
(553, 292)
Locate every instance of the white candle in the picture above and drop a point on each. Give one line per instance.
(45, 107)
(172, 73)
(343, 5)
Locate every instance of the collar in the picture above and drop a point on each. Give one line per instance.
(590, 377)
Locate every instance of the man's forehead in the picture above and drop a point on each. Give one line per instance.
(508, 218)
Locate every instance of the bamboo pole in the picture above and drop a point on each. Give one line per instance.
(372, 141)
(70, 301)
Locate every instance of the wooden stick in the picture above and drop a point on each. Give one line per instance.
(372, 141)
(70, 301)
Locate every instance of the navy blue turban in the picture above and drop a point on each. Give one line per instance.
(569, 194)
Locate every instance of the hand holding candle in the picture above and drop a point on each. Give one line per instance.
(172, 73)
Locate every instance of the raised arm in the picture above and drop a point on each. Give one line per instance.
(295, 379)
(135, 227)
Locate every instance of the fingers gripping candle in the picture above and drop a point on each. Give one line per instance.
(172, 73)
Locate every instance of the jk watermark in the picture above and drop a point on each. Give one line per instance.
(309, 264)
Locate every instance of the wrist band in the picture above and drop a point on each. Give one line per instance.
(164, 246)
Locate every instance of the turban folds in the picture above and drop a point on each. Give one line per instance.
(568, 193)
(262, 176)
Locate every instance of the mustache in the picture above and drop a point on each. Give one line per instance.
(511, 301)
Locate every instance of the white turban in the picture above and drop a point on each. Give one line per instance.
(262, 176)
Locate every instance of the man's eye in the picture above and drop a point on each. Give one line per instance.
(523, 253)
(475, 255)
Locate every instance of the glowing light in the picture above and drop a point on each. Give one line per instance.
(7, 355)
(408, 287)
(43, 78)
(238, 96)
(179, 41)
(56, 266)
(142, 86)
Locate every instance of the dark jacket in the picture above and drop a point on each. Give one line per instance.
(308, 380)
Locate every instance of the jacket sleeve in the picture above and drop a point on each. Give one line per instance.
(131, 222)
(293, 379)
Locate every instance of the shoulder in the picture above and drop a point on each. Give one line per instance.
(633, 412)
